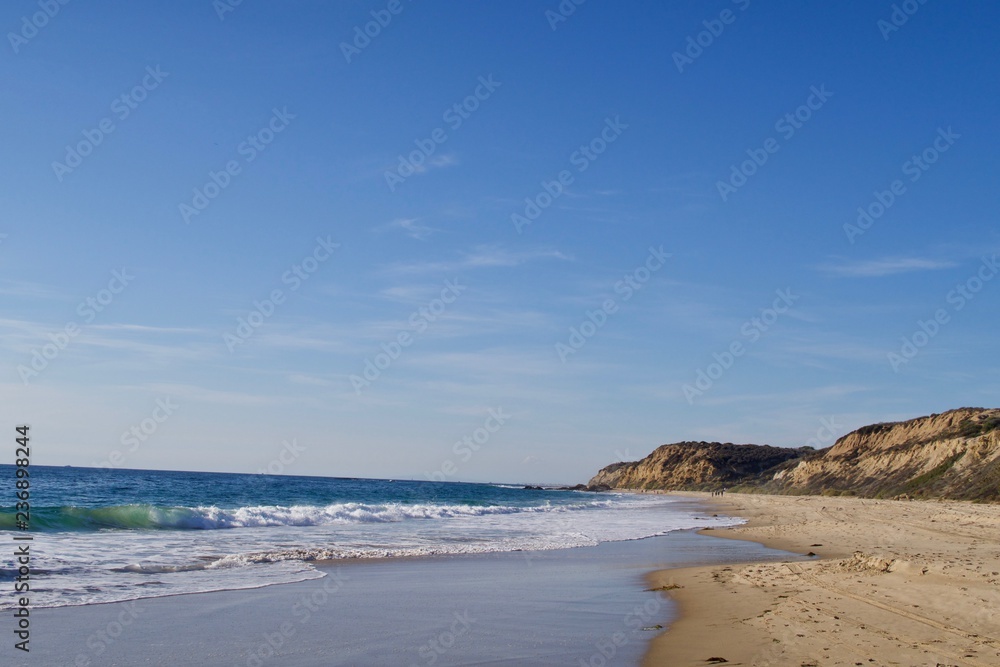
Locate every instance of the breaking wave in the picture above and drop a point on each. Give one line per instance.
(153, 517)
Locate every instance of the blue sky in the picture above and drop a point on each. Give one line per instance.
(643, 138)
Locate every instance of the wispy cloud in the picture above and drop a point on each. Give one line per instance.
(142, 328)
(492, 256)
(875, 268)
(117, 346)
(189, 393)
(301, 378)
(412, 227)
(436, 162)
(23, 336)
(444, 160)
(28, 290)
(481, 257)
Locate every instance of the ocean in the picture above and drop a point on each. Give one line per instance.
(110, 535)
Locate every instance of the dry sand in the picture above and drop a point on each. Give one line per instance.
(894, 583)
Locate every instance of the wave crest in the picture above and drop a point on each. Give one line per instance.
(152, 517)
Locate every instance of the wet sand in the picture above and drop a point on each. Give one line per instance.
(588, 605)
(892, 583)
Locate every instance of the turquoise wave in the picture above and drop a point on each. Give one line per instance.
(135, 517)
(154, 517)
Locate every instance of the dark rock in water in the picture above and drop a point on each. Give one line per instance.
(579, 487)
(810, 554)
(667, 587)
(653, 627)
(534, 488)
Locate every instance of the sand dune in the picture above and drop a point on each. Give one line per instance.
(892, 583)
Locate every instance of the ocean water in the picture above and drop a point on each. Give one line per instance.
(111, 535)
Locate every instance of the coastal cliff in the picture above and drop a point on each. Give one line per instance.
(695, 466)
(955, 454)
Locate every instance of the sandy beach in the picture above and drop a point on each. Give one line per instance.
(892, 583)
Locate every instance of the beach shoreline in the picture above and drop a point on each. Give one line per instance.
(889, 582)
(553, 607)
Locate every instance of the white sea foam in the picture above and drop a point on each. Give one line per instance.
(309, 515)
(275, 544)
